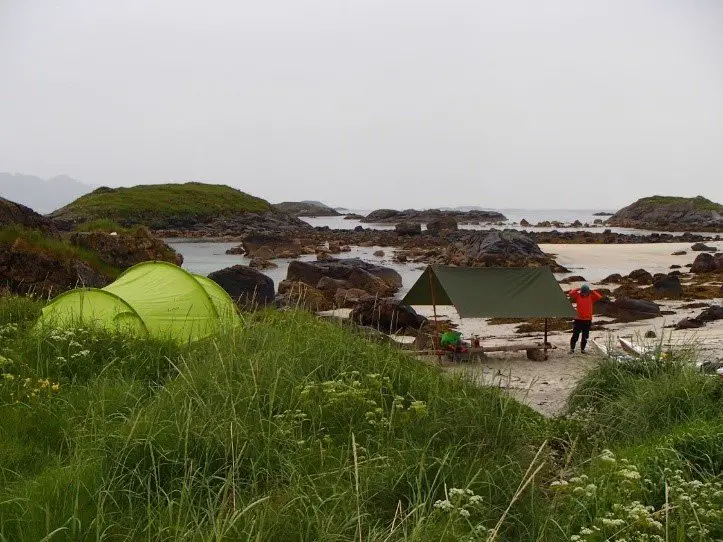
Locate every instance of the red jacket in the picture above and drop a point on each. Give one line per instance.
(584, 302)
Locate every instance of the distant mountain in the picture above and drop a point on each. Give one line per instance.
(41, 195)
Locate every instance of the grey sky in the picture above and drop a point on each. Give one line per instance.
(370, 103)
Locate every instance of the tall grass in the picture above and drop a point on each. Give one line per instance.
(296, 429)
(291, 429)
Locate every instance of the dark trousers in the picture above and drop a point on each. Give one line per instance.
(581, 326)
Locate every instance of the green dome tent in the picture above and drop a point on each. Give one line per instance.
(157, 299)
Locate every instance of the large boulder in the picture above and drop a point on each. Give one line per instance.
(14, 214)
(704, 263)
(125, 250)
(508, 248)
(408, 228)
(641, 276)
(626, 309)
(246, 286)
(668, 286)
(507, 243)
(386, 314)
(438, 225)
(311, 273)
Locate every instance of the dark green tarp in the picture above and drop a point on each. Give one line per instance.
(489, 292)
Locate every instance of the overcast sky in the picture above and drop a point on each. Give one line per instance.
(371, 103)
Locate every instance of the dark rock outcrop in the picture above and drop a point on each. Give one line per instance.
(439, 225)
(707, 263)
(668, 286)
(246, 286)
(387, 216)
(125, 250)
(408, 228)
(12, 213)
(387, 315)
(312, 272)
(268, 247)
(641, 276)
(28, 269)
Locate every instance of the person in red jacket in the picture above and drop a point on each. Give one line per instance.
(584, 299)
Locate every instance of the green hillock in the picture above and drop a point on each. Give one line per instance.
(158, 205)
(671, 213)
(698, 202)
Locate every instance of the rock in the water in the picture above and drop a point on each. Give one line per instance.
(702, 247)
(268, 247)
(387, 314)
(408, 228)
(258, 263)
(508, 248)
(246, 286)
(679, 253)
(312, 272)
(125, 250)
(650, 334)
(379, 253)
(641, 276)
(703, 263)
(524, 223)
(668, 285)
(438, 225)
(12, 213)
(626, 309)
(381, 215)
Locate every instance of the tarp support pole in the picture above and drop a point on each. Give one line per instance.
(434, 311)
(544, 343)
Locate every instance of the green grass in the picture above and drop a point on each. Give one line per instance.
(296, 429)
(698, 202)
(36, 241)
(101, 224)
(155, 205)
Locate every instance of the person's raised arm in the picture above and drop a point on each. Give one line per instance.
(572, 294)
(596, 296)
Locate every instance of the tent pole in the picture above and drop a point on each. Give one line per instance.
(544, 344)
(434, 311)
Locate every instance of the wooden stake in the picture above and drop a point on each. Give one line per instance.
(544, 344)
(434, 311)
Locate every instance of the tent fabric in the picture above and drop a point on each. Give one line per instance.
(158, 299)
(492, 292)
